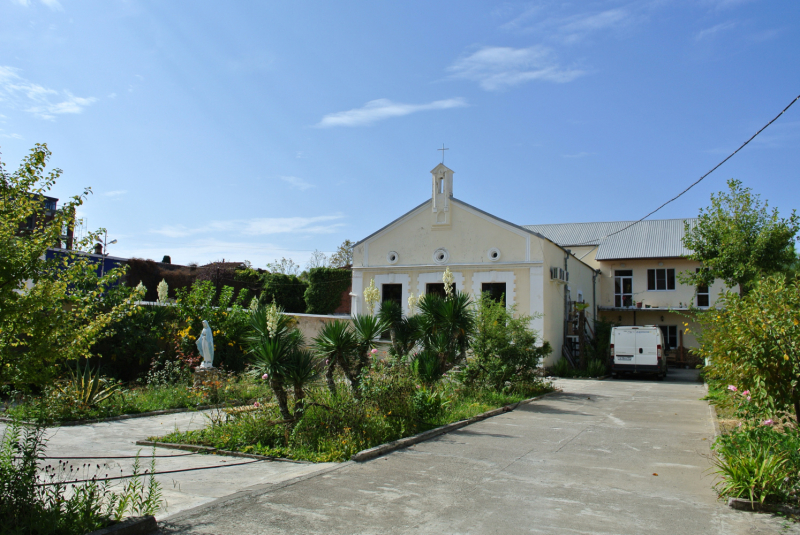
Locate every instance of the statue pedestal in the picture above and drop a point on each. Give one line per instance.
(205, 375)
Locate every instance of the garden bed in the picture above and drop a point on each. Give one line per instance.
(140, 401)
(334, 429)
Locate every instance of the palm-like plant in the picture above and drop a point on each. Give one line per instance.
(274, 343)
(447, 326)
(403, 331)
(337, 343)
(367, 329)
(302, 368)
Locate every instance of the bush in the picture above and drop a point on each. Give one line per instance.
(286, 291)
(505, 349)
(759, 463)
(325, 287)
(752, 343)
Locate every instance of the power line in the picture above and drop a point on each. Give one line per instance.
(145, 473)
(696, 182)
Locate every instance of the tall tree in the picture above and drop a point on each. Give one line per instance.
(343, 255)
(738, 240)
(54, 309)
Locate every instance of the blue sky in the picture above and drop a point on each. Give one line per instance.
(257, 130)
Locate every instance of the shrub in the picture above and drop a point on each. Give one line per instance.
(325, 287)
(505, 349)
(753, 342)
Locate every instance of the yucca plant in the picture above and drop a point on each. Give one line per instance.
(367, 330)
(336, 343)
(447, 325)
(403, 331)
(302, 368)
(87, 387)
(274, 342)
(755, 472)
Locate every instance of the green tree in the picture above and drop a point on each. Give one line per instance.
(738, 240)
(55, 309)
(325, 287)
(753, 343)
(343, 255)
(286, 291)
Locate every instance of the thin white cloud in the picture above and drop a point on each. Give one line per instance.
(259, 226)
(115, 193)
(298, 183)
(378, 110)
(55, 5)
(17, 92)
(497, 67)
(571, 28)
(712, 31)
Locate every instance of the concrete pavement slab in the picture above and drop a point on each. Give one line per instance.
(581, 461)
(184, 490)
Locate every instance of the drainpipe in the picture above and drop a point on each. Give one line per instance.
(567, 252)
(595, 273)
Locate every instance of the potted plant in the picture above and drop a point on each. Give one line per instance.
(639, 304)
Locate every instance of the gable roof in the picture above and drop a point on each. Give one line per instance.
(657, 238)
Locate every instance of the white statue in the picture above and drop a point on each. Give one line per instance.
(205, 345)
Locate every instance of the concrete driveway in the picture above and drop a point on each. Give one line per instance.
(581, 461)
(108, 441)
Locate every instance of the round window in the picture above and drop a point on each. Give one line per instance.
(440, 256)
(392, 257)
(494, 254)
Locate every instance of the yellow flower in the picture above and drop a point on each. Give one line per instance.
(785, 356)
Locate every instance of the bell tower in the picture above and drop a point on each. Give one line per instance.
(442, 186)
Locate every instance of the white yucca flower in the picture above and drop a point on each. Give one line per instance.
(163, 291)
(412, 303)
(254, 304)
(448, 280)
(141, 289)
(272, 320)
(371, 296)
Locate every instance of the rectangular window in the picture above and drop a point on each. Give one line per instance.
(496, 290)
(623, 288)
(437, 288)
(660, 279)
(702, 295)
(670, 335)
(392, 292)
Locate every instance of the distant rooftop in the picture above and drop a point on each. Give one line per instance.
(657, 238)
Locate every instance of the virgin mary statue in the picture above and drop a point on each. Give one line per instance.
(205, 345)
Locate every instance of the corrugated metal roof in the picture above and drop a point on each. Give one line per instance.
(646, 239)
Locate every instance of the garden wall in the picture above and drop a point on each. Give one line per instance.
(310, 325)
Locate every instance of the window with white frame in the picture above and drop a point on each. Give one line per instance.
(623, 287)
(660, 279)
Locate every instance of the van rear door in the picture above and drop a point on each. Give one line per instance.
(624, 346)
(647, 341)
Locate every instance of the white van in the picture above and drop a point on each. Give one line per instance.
(638, 350)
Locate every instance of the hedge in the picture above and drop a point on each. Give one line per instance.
(324, 293)
(285, 290)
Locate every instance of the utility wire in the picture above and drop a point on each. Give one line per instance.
(145, 473)
(696, 182)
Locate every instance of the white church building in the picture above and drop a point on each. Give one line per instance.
(485, 254)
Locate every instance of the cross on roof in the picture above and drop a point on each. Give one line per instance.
(443, 149)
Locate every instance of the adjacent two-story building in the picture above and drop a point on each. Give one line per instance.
(639, 266)
(624, 273)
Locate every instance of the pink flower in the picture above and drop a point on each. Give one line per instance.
(256, 404)
(748, 398)
(374, 351)
(265, 376)
(327, 360)
(768, 422)
(732, 388)
(746, 393)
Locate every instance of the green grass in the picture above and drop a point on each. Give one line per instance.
(53, 408)
(334, 428)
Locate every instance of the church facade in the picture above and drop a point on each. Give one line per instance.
(485, 254)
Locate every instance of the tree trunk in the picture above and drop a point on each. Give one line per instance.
(281, 397)
(299, 401)
(329, 376)
(796, 409)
